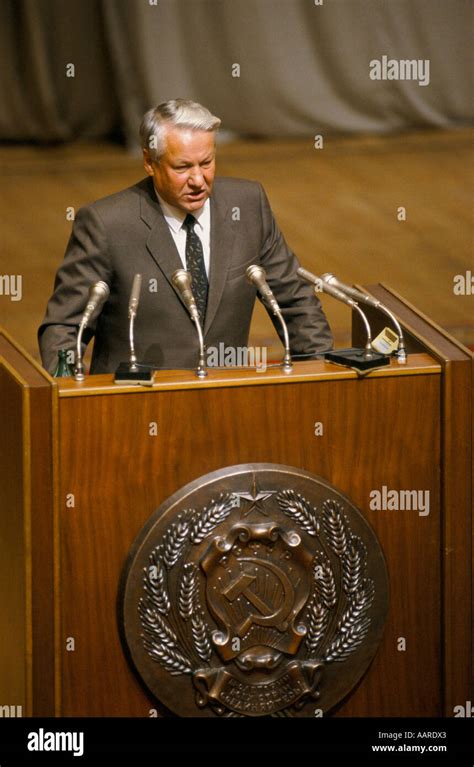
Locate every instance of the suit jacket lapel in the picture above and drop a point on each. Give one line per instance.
(160, 242)
(222, 239)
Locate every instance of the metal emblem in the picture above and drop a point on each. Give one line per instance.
(257, 590)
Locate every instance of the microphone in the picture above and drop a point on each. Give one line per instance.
(256, 275)
(98, 295)
(311, 278)
(359, 296)
(182, 281)
(320, 284)
(135, 296)
(132, 313)
(356, 358)
(131, 372)
(330, 279)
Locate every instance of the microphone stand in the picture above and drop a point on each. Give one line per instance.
(287, 365)
(368, 352)
(353, 357)
(359, 359)
(79, 371)
(256, 276)
(132, 372)
(182, 281)
(98, 295)
(357, 295)
(133, 357)
(201, 371)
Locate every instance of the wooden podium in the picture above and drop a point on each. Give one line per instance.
(83, 466)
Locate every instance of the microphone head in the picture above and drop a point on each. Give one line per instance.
(308, 276)
(136, 287)
(99, 291)
(255, 274)
(98, 295)
(181, 280)
(330, 278)
(134, 299)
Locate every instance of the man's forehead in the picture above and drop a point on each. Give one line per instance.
(186, 141)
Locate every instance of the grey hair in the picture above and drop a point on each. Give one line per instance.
(181, 113)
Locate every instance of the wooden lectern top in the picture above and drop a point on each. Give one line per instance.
(311, 370)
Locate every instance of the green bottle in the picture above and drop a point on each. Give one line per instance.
(63, 369)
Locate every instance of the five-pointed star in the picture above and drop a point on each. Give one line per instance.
(256, 498)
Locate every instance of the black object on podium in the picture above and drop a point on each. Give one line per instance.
(142, 374)
(356, 358)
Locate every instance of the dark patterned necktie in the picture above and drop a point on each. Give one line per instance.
(195, 265)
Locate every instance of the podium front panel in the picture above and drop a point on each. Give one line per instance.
(122, 453)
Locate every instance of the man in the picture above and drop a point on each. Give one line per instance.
(178, 217)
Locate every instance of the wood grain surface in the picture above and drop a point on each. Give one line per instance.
(26, 541)
(381, 431)
(457, 498)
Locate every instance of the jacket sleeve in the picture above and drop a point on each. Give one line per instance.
(308, 328)
(86, 261)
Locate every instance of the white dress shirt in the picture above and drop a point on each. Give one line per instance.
(175, 217)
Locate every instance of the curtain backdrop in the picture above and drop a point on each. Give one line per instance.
(304, 68)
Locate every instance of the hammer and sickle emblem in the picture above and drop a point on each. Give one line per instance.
(267, 614)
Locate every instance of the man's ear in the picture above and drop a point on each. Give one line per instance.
(148, 162)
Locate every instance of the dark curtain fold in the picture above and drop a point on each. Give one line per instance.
(304, 68)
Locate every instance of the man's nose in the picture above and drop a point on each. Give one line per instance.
(196, 177)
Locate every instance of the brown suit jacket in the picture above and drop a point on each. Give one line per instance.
(125, 233)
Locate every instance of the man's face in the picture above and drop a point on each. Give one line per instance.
(185, 172)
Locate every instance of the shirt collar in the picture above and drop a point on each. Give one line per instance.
(175, 217)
